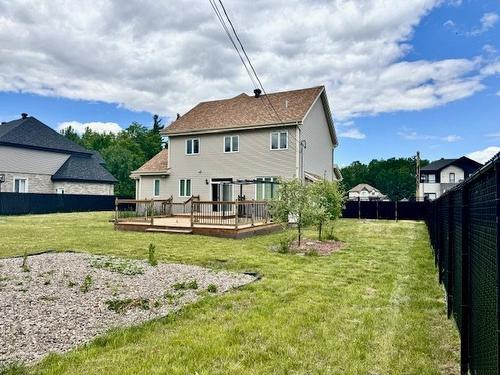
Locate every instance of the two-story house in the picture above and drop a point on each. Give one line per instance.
(234, 147)
(443, 174)
(36, 159)
(365, 192)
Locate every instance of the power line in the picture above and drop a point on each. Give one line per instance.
(228, 33)
(248, 59)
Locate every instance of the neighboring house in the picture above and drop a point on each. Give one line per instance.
(365, 192)
(443, 174)
(36, 159)
(223, 149)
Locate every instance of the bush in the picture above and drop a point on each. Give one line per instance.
(284, 244)
(329, 234)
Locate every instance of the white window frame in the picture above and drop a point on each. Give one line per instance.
(60, 190)
(433, 180)
(16, 178)
(454, 177)
(182, 194)
(231, 144)
(192, 146)
(264, 185)
(154, 187)
(279, 140)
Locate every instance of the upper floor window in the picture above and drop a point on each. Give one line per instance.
(156, 188)
(20, 185)
(452, 177)
(432, 178)
(231, 143)
(279, 140)
(192, 146)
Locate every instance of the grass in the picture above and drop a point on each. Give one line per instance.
(374, 307)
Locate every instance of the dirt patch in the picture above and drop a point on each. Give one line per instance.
(316, 247)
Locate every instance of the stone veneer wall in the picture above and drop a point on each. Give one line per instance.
(42, 183)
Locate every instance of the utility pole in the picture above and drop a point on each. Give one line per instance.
(417, 176)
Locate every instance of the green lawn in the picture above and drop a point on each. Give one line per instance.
(374, 307)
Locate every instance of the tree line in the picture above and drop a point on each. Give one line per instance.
(394, 177)
(123, 152)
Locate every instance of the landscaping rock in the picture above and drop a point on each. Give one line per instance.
(67, 299)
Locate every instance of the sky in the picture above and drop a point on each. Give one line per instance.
(401, 76)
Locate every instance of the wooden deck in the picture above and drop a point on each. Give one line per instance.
(182, 225)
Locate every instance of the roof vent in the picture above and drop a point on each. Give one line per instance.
(257, 92)
(24, 115)
(4, 122)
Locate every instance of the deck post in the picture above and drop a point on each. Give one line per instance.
(253, 213)
(192, 214)
(237, 213)
(116, 211)
(152, 205)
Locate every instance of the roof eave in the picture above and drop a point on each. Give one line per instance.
(232, 129)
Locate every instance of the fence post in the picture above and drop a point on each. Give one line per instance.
(396, 211)
(465, 334)
(497, 180)
(451, 256)
(192, 214)
(377, 209)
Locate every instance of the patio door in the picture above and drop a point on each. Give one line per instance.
(222, 190)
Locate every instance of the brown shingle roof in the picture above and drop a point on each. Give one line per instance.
(247, 111)
(158, 163)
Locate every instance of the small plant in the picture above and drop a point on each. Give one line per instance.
(46, 282)
(123, 266)
(120, 305)
(329, 235)
(151, 255)
(284, 244)
(25, 266)
(87, 283)
(179, 286)
(169, 297)
(157, 304)
(71, 284)
(192, 285)
(212, 288)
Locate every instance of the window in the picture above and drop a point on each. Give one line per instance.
(279, 141)
(231, 143)
(265, 188)
(156, 188)
(430, 196)
(20, 185)
(60, 190)
(432, 178)
(452, 177)
(184, 188)
(192, 146)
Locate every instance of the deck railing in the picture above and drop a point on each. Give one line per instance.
(218, 213)
(230, 213)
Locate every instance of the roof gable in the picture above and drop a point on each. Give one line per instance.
(32, 133)
(158, 163)
(245, 111)
(360, 187)
(83, 168)
(465, 163)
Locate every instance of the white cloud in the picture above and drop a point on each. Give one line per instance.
(489, 49)
(96, 126)
(482, 156)
(164, 57)
(488, 21)
(353, 133)
(498, 93)
(411, 135)
(450, 25)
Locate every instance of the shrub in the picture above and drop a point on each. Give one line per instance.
(151, 255)
(212, 288)
(284, 244)
(25, 266)
(329, 234)
(87, 283)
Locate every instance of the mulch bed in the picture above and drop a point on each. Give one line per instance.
(316, 247)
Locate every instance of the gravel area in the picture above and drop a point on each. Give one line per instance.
(61, 300)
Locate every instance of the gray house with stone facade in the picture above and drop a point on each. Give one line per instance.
(36, 159)
(223, 149)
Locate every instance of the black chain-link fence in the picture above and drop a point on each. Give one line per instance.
(464, 229)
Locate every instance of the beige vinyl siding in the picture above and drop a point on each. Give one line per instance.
(146, 187)
(254, 159)
(318, 155)
(23, 160)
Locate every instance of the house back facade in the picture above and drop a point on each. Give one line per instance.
(36, 159)
(365, 192)
(441, 175)
(224, 149)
